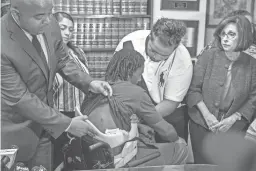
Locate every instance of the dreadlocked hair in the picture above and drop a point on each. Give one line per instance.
(123, 64)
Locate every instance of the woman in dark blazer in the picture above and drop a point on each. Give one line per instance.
(222, 94)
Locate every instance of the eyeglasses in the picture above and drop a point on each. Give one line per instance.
(230, 35)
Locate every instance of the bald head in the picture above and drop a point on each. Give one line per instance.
(32, 15)
(19, 4)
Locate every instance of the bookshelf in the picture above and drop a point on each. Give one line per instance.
(100, 24)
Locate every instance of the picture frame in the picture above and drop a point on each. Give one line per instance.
(217, 9)
(190, 40)
(180, 5)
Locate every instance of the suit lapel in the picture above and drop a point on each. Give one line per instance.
(51, 59)
(19, 36)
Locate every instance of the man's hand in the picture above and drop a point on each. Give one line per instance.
(80, 127)
(146, 130)
(211, 121)
(103, 87)
(226, 124)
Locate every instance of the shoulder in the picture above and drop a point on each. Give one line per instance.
(139, 34)
(182, 57)
(137, 38)
(251, 58)
(251, 51)
(128, 89)
(6, 41)
(210, 54)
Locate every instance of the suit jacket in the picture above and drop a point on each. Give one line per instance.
(208, 81)
(26, 86)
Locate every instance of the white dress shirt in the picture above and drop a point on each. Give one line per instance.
(40, 39)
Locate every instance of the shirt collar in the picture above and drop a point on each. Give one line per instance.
(26, 33)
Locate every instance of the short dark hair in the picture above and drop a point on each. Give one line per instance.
(123, 64)
(169, 31)
(245, 34)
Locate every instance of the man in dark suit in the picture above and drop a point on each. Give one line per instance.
(32, 53)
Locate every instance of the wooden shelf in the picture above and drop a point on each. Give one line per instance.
(109, 16)
(99, 49)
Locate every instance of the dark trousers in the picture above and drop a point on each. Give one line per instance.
(59, 143)
(179, 120)
(199, 133)
(43, 155)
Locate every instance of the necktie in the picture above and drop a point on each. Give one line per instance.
(39, 50)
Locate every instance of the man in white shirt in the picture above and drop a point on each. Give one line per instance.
(167, 69)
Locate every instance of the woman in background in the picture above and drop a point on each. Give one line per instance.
(252, 49)
(66, 96)
(222, 94)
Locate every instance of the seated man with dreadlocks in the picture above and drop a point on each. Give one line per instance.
(123, 73)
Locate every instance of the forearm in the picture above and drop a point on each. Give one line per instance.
(166, 107)
(75, 76)
(166, 131)
(203, 109)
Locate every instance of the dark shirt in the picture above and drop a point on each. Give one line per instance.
(136, 98)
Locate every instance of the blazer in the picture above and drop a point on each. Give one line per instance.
(26, 86)
(208, 81)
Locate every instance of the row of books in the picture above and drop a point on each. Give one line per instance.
(105, 33)
(98, 62)
(102, 7)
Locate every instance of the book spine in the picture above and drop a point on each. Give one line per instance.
(101, 33)
(131, 6)
(66, 6)
(104, 7)
(109, 7)
(108, 33)
(73, 7)
(114, 32)
(97, 7)
(143, 7)
(116, 7)
(124, 7)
